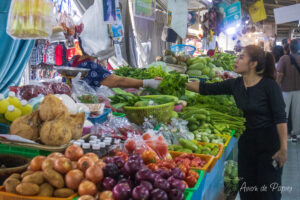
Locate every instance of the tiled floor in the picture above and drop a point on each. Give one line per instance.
(291, 173)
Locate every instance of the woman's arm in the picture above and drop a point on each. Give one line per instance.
(281, 155)
(223, 87)
(113, 81)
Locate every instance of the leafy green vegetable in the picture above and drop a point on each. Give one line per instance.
(89, 99)
(137, 73)
(174, 84)
(224, 60)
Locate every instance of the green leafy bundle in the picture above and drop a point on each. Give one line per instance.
(174, 84)
(224, 60)
(141, 74)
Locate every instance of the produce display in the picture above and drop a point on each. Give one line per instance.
(141, 74)
(52, 123)
(193, 146)
(171, 58)
(224, 60)
(231, 179)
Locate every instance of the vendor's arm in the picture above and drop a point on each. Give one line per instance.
(113, 81)
(224, 87)
(279, 116)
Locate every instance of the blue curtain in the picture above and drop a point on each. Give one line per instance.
(14, 54)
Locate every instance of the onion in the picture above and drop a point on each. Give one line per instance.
(87, 188)
(48, 163)
(100, 163)
(63, 165)
(94, 174)
(74, 152)
(84, 163)
(93, 156)
(36, 163)
(74, 165)
(56, 155)
(87, 197)
(73, 179)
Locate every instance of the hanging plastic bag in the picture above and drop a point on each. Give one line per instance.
(30, 19)
(95, 38)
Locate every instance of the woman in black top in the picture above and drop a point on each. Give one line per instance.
(264, 143)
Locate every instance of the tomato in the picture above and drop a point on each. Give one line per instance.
(191, 181)
(160, 138)
(146, 136)
(193, 173)
(161, 149)
(123, 155)
(149, 157)
(151, 144)
(152, 166)
(130, 146)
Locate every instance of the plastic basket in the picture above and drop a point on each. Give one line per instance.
(4, 128)
(162, 113)
(201, 80)
(15, 150)
(101, 118)
(215, 158)
(207, 158)
(10, 196)
(227, 139)
(118, 114)
(232, 133)
(188, 195)
(188, 49)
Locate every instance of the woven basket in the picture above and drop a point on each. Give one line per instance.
(162, 113)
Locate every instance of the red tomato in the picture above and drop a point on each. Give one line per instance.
(123, 155)
(130, 146)
(162, 149)
(160, 138)
(146, 136)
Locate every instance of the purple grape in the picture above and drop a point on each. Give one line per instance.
(140, 193)
(158, 194)
(176, 194)
(162, 184)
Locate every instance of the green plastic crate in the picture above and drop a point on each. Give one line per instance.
(232, 133)
(118, 114)
(188, 195)
(30, 153)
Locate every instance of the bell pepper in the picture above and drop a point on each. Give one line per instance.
(149, 157)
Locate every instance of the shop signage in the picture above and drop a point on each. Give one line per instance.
(296, 33)
(145, 9)
(287, 14)
(233, 14)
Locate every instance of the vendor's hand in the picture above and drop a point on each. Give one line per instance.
(280, 156)
(151, 83)
(158, 78)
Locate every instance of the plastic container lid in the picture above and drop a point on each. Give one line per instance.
(96, 147)
(80, 140)
(24, 102)
(107, 142)
(11, 108)
(1, 97)
(93, 137)
(108, 138)
(86, 145)
(93, 142)
(77, 143)
(11, 94)
(97, 140)
(102, 144)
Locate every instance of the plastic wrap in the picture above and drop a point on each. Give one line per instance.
(81, 91)
(32, 90)
(30, 19)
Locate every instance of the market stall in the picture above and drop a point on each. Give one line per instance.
(66, 139)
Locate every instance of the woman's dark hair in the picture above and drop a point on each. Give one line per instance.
(80, 45)
(294, 46)
(286, 48)
(265, 61)
(277, 52)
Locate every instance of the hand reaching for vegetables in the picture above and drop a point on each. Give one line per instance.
(152, 83)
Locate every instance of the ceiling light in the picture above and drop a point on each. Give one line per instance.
(231, 30)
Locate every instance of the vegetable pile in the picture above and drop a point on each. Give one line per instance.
(231, 179)
(224, 60)
(174, 84)
(141, 74)
(193, 146)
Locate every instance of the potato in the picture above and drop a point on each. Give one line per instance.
(54, 178)
(51, 108)
(28, 172)
(15, 175)
(28, 189)
(10, 185)
(76, 121)
(56, 132)
(26, 126)
(36, 178)
(46, 190)
(63, 192)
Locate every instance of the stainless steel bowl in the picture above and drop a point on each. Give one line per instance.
(72, 71)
